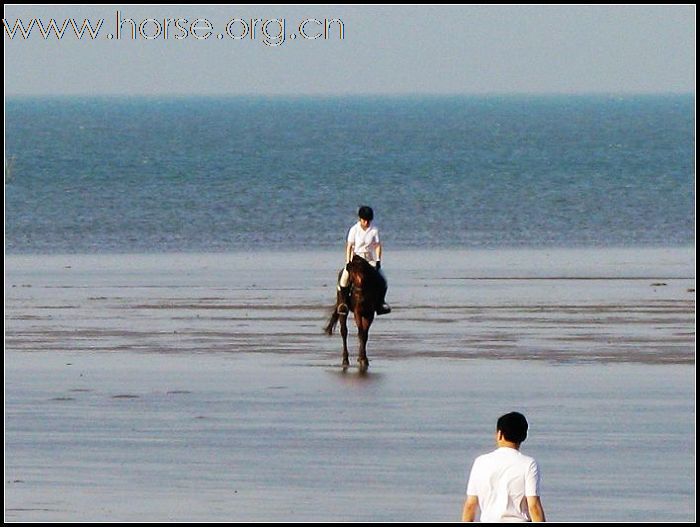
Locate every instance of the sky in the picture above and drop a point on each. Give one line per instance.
(384, 50)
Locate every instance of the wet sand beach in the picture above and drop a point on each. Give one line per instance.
(200, 387)
(598, 305)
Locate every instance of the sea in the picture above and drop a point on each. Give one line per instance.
(228, 174)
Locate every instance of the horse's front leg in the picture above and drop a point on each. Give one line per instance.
(362, 355)
(343, 319)
(363, 334)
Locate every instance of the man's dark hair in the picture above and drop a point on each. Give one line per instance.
(513, 426)
(366, 213)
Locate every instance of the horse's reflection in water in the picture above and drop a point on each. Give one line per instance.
(366, 288)
(356, 377)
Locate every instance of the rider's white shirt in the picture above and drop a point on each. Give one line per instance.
(365, 242)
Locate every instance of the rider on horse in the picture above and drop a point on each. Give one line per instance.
(363, 240)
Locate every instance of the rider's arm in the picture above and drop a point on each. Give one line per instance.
(348, 252)
(379, 251)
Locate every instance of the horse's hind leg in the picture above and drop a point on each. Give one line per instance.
(343, 319)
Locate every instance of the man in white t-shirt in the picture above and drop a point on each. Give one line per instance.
(505, 484)
(363, 240)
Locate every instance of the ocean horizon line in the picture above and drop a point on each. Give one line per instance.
(339, 249)
(374, 95)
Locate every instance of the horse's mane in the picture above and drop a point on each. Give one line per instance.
(370, 275)
(360, 264)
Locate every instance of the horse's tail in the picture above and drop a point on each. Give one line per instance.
(332, 322)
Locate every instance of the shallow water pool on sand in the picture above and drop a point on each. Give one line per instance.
(257, 437)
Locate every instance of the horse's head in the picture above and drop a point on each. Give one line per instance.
(363, 278)
(360, 271)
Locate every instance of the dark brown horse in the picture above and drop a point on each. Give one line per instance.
(367, 289)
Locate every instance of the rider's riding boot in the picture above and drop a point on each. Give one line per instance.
(383, 308)
(343, 300)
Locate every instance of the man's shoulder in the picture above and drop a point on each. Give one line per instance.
(525, 458)
(530, 462)
(505, 454)
(485, 458)
(527, 463)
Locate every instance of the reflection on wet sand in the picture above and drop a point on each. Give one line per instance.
(355, 376)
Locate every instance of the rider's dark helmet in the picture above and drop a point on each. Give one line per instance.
(365, 213)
